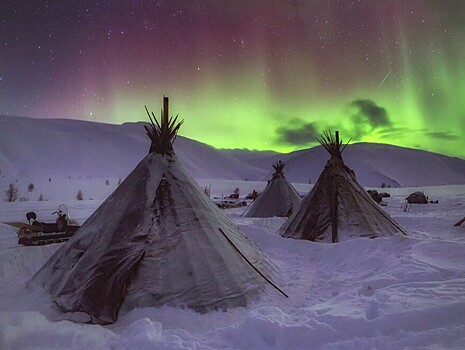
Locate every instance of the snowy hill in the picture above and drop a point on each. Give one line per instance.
(40, 150)
(374, 164)
(250, 157)
(36, 148)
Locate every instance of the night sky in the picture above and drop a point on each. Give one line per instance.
(244, 74)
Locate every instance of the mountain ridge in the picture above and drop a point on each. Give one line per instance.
(31, 148)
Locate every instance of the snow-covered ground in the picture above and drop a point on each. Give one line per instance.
(394, 293)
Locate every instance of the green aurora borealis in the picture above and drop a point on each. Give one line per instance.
(258, 75)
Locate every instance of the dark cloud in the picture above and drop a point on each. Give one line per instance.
(386, 132)
(297, 133)
(443, 135)
(368, 111)
(391, 133)
(395, 132)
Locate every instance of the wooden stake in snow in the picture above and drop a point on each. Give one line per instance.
(460, 222)
(248, 261)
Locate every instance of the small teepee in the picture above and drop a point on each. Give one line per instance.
(278, 199)
(158, 239)
(337, 207)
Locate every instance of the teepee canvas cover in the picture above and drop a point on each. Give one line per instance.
(337, 207)
(156, 240)
(278, 199)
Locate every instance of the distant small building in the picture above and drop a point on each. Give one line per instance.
(417, 198)
(375, 196)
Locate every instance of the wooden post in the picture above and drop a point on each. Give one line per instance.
(166, 114)
(334, 211)
(338, 146)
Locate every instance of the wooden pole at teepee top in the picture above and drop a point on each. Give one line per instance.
(337, 137)
(165, 108)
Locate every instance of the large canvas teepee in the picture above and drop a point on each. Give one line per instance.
(337, 207)
(156, 240)
(278, 199)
